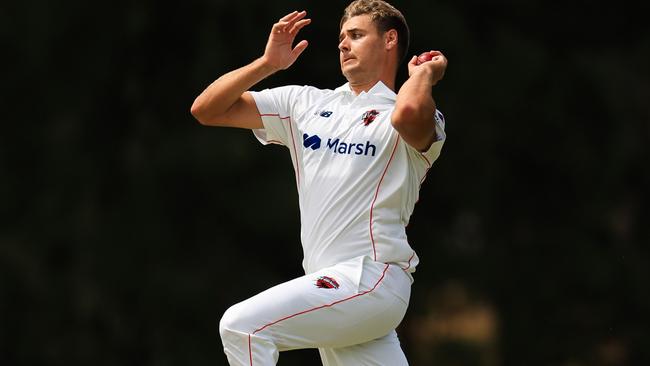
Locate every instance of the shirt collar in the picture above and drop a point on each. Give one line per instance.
(380, 89)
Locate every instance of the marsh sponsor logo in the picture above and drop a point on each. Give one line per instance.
(351, 148)
(312, 142)
(337, 146)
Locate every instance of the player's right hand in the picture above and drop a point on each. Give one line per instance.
(435, 67)
(280, 53)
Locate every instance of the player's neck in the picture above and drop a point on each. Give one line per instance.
(362, 82)
(364, 86)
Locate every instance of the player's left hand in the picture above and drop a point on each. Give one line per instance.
(280, 52)
(435, 68)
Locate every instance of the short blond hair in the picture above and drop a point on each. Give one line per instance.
(385, 16)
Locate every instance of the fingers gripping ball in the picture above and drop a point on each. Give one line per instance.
(424, 57)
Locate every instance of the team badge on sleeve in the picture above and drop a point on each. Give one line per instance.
(369, 116)
(326, 282)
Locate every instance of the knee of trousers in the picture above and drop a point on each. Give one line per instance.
(235, 322)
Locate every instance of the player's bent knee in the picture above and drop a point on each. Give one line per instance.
(234, 321)
(228, 322)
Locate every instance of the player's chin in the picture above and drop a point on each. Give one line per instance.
(346, 71)
(347, 62)
(347, 66)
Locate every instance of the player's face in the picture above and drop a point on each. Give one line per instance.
(361, 48)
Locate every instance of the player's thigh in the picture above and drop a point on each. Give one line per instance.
(307, 312)
(384, 351)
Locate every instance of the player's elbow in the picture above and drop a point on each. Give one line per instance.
(403, 115)
(409, 113)
(204, 115)
(198, 112)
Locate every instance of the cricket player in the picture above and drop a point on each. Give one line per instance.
(360, 153)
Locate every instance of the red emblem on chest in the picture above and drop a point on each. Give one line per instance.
(369, 116)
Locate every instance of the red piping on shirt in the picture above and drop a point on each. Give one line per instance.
(273, 115)
(425, 158)
(293, 143)
(295, 153)
(372, 205)
(409, 266)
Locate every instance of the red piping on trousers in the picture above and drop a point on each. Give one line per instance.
(372, 205)
(250, 351)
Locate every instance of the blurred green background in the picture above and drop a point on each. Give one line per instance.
(127, 229)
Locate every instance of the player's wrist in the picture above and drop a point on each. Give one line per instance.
(425, 74)
(267, 67)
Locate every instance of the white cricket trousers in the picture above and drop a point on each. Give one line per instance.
(348, 311)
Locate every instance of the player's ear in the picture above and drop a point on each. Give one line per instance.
(390, 39)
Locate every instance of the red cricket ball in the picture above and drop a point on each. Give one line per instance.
(424, 57)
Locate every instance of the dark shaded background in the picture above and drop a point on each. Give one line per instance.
(127, 228)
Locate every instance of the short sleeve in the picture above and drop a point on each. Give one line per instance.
(434, 150)
(277, 109)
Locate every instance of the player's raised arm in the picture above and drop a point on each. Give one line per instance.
(226, 101)
(413, 116)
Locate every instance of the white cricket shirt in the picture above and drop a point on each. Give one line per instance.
(357, 179)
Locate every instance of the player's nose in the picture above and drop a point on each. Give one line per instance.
(343, 45)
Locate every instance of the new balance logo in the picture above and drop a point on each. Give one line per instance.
(340, 147)
(325, 114)
(311, 141)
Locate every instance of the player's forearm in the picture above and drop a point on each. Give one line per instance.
(415, 94)
(219, 96)
(414, 110)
